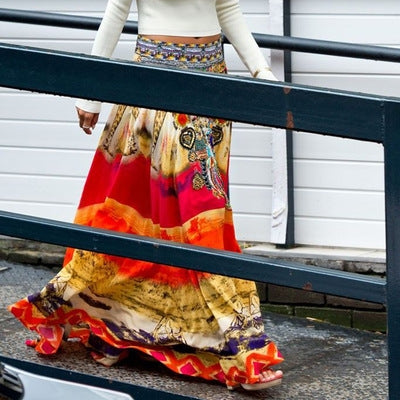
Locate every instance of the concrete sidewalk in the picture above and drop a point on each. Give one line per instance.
(322, 361)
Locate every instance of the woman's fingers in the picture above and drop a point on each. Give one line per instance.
(87, 120)
(95, 119)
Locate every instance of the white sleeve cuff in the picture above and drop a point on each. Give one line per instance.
(89, 105)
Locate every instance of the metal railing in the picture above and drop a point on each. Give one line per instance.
(300, 108)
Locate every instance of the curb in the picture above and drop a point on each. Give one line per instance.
(31, 252)
(318, 306)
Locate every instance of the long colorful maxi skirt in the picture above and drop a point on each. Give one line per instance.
(162, 175)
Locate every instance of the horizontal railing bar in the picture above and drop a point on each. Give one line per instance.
(57, 20)
(315, 46)
(283, 105)
(197, 258)
(328, 47)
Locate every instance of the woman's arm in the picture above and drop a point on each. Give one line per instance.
(236, 30)
(107, 37)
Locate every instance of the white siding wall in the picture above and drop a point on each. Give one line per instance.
(339, 183)
(44, 156)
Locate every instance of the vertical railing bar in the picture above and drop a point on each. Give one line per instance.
(391, 130)
(290, 229)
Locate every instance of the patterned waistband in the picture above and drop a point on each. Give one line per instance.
(198, 55)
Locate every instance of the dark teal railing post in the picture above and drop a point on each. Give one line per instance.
(391, 126)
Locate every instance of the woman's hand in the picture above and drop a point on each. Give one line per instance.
(266, 74)
(87, 120)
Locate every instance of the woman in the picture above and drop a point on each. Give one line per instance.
(164, 175)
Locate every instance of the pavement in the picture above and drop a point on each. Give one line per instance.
(322, 361)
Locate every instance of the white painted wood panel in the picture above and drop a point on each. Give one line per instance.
(379, 84)
(335, 204)
(343, 233)
(308, 146)
(44, 162)
(44, 156)
(340, 232)
(356, 7)
(42, 210)
(368, 29)
(40, 189)
(318, 64)
(339, 183)
(338, 175)
(251, 141)
(252, 227)
(248, 198)
(311, 174)
(38, 107)
(45, 135)
(250, 171)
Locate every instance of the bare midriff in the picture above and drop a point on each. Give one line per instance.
(184, 39)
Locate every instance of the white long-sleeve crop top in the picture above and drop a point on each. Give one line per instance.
(192, 18)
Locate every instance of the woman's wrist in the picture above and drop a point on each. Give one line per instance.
(265, 73)
(261, 71)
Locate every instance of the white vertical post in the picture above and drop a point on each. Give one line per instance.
(279, 214)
